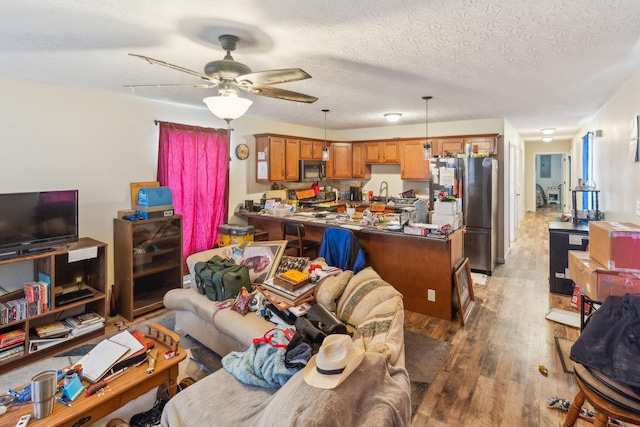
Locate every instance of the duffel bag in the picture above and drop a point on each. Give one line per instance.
(221, 279)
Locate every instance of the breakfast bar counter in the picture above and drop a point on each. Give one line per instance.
(414, 265)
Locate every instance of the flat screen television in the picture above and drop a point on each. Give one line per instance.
(37, 221)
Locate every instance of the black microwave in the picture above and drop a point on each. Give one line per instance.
(311, 170)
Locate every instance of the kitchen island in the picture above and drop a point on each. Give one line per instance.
(414, 265)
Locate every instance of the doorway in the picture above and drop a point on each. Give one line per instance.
(550, 182)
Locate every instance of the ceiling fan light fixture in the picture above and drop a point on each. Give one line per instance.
(392, 117)
(228, 107)
(547, 131)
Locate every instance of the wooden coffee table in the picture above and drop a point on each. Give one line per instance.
(134, 383)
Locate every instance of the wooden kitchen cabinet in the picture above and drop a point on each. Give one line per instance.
(311, 149)
(382, 152)
(148, 262)
(360, 168)
(340, 164)
(277, 158)
(412, 163)
(485, 144)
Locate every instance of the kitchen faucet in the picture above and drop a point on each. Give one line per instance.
(384, 185)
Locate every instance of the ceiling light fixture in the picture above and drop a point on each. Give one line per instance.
(227, 105)
(392, 117)
(426, 147)
(325, 150)
(547, 138)
(547, 131)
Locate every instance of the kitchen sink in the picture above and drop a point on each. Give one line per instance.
(381, 199)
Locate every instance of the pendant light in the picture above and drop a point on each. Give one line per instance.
(325, 149)
(426, 147)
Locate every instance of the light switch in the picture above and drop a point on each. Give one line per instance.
(431, 295)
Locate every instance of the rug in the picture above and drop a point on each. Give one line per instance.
(424, 357)
(564, 349)
(478, 278)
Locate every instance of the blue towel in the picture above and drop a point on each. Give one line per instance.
(341, 248)
(262, 364)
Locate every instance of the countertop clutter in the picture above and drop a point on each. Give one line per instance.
(401, 215)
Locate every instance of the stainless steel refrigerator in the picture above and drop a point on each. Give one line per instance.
(480, 210)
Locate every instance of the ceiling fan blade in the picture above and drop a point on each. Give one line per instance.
(273, 92)
(205, 86)
(273, 77)
(175, 67)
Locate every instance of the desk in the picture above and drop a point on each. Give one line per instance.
(116, 395)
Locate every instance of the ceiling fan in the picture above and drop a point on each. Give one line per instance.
(228, 76)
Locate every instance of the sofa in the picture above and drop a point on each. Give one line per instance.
(374, 313)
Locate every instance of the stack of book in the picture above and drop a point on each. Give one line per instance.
(11, 344)
(84, 323)
(289, 289)
(52, 330)
(38, 294)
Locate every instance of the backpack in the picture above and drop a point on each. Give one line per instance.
(221, 279)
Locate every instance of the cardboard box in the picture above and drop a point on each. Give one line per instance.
(581, 270)
(615, 283)
(615, 245)
(598, 282)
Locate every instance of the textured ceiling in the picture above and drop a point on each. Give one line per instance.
(537, 63)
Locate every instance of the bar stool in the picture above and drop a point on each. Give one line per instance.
(299, 243)
(608, 397)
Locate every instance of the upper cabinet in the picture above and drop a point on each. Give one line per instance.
(360, 168)
(483, 144)
(340, 164)
(412, 163)
(382, 152)
(277, 158)
(311, 149)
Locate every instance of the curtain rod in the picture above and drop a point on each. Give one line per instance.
(228, 128)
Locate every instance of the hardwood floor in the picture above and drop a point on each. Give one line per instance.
(491, 377)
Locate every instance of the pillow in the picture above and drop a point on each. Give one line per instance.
(362, 294)
(383, 330)
(242, 301)
(292, 263)
(331, 287)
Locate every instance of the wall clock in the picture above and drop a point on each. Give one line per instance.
(242, 151)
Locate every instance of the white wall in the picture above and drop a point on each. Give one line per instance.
(615, 176)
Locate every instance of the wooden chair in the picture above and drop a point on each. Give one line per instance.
(299, 243)
(608, 397)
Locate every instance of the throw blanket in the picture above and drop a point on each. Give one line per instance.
(263, 363)
(375, 394)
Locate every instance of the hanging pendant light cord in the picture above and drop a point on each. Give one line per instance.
(426, 115)
(325, 127)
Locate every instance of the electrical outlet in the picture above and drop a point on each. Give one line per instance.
(638, 207)
(431, 295)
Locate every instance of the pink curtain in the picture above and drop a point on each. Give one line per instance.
(193, 162)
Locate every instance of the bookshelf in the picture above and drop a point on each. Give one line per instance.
(80, 264)
(148, 263)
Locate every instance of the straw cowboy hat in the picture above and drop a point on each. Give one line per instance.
(338, 357)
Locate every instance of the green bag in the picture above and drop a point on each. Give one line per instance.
(221, 279)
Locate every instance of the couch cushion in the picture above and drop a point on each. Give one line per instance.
(190, 299)
(241, 328)
(362, 294)
(382, 331)
(330, 288)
